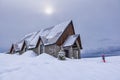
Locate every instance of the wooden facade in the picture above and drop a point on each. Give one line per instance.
(67, 32)
(23, 48)
(12, 50)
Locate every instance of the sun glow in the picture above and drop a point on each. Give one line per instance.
(49, 10)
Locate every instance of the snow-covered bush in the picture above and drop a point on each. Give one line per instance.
(61, 55)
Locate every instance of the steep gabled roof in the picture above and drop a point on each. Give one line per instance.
(49, 36)
(56, 32)
(71, 40)
(27, 38)
(43, 33)
(18, 46)
(35, 43)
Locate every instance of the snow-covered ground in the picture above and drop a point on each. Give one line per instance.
(46, 67)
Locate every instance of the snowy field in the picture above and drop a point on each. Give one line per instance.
(46, 67)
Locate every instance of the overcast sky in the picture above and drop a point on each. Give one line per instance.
(91, 18)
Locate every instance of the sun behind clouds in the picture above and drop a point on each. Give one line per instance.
(49, 10)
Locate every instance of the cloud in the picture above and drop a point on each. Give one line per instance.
(93, 19)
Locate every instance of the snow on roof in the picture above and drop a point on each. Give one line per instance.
(27, 38)
(33, 42)
(49, 36)
(56, 32)
(42, 34)
(70, 40)
(57, 29)
(18, 46)
(46, 31)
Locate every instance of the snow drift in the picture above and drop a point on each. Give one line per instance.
(46, 67)
(29, 53)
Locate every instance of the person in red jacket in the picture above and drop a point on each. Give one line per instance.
(103, 58)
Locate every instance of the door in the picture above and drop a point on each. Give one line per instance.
(66, 53)
(41, 48)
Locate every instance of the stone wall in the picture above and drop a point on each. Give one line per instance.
(52, 50)
(73, 52)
